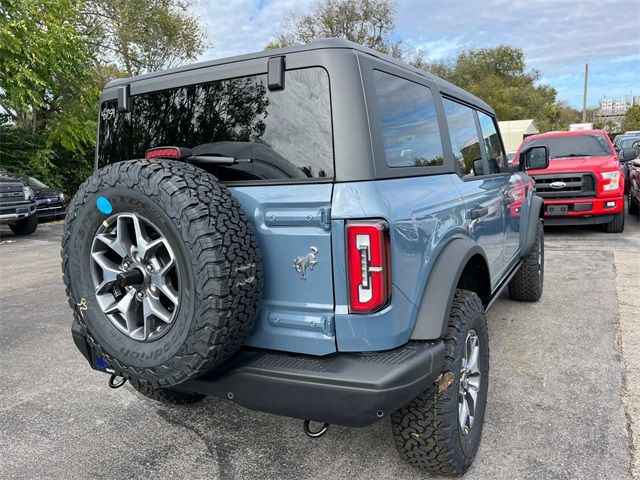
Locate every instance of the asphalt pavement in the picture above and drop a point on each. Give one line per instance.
(564, 395)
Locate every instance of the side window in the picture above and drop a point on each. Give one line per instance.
(409, 122)
(464, 139)
(495, 155)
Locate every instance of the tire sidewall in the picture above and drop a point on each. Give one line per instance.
(469, 443)
(540, 259)
(113, 342)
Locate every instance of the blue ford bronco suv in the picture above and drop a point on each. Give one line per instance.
(314, 232)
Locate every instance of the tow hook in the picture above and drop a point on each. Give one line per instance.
(317, 433)
(115, 383)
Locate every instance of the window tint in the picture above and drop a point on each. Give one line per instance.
(290, 129)
(464, 138)
(409, 122)
(495, 155)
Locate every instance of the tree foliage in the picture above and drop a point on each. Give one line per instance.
(41, 53)
(56, 55)
(143, 35)
(631, 119)
(501, 78)
(367, 22)
(48, 91)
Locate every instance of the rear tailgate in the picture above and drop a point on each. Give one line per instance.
(297, 313)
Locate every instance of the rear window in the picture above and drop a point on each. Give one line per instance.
(292, 125)
(409, 122)
(574, 146)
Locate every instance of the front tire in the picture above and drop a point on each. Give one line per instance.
(527, 283)
(632, 205)
(433, 431)
(616, 225)
(25, 226)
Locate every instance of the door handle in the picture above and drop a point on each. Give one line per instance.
(478, 212)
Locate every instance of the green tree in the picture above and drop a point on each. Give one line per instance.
(367, 22)
(143, 35)
(55, 57)
(48, 92)
(631, 120)
(501, 78)
(42, 54)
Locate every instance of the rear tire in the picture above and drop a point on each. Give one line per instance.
(527, 283)
(25, 226)
(616, 225)
(428, 431)
(166, 395)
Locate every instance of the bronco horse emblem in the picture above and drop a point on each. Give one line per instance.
(300, 264)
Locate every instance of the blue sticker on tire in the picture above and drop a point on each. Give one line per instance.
(104, 205)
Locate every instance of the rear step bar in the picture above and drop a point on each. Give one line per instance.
(343, 389)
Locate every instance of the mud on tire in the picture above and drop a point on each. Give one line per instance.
(427, 431)
(219, 273)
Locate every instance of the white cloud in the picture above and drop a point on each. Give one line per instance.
(558, 36)
(237, 27)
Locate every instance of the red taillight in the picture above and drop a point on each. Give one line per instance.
(164, 152)
(368, 266)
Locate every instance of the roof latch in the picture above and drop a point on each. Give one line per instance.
(124, 99)
(275, 73)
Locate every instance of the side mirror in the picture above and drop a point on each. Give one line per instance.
(627, 154)
(478, 167)
(534, 158)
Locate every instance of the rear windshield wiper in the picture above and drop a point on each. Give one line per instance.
(216, 160)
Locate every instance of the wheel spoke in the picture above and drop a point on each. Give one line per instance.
(122, 234)
(109, 271)
(472, 366)
(152, 307)
(463, 413)
(126, 308)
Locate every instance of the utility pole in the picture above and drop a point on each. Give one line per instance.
(584, 99)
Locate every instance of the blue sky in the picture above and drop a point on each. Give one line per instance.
(558, 36)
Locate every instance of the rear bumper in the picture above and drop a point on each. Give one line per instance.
(344, 389)
(584, 211)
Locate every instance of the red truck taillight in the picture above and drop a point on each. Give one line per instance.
(368, 265)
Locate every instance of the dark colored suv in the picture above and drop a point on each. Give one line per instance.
(314, 232)
(17, 205)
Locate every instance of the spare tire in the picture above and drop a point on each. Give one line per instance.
(161, 268)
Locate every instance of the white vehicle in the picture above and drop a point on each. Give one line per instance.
(580, 126)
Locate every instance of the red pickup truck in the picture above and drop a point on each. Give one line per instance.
(584, 183)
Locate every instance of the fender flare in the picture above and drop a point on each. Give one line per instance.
(433, 312)
(532, 222)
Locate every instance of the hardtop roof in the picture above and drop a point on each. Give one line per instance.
(327, 43)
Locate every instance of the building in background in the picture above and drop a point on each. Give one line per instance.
(514, 131)
(611, 111)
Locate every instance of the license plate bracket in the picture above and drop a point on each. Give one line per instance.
(557, 209)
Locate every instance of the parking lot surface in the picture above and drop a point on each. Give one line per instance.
(564, 395)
